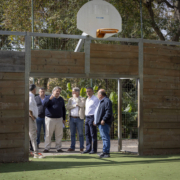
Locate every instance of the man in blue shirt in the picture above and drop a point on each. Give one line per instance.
(55, 115)
(103, 119)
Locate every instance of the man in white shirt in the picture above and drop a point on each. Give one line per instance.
(33, 114)
(76, 106)
(90, 130)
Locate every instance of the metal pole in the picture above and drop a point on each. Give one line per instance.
(119, 115)
(32, 21)
(141, 19)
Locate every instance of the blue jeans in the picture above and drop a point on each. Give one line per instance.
(104, 132)
(76, 123)
(40, 122)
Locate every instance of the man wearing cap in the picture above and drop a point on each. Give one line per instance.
(76, 106)
(55, 115)
(33, 114)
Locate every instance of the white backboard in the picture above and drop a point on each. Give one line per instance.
(98, 14)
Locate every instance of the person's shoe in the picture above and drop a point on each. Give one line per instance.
(70, 150)
(104, 155)
(81, 150)
(85, 152)
(39, 155)
(59, 150)
(92, 152)
(45, 151)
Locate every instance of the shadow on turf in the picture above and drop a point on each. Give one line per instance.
(62, 163)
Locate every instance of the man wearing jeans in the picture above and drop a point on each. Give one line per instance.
(103, 119)
(76, 106)
(40, 121)
(55, 115)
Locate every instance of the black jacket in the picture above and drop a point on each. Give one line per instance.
(104, 112)
(41, 108)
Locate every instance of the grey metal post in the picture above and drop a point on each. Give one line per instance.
(27, 70)
(119, 115)
(141, 19)
(140, 99)
(87, 55)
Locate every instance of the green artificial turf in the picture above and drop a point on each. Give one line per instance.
(91, 167)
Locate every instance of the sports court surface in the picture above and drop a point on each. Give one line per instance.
(90, 167)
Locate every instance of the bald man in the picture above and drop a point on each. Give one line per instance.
(103, 119)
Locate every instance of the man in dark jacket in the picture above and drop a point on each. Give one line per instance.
(55, 114)
(40, 120)
(103, 119)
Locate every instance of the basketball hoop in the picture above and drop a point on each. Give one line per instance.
(100, 33)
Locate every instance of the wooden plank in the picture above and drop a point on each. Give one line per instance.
(13, 128)
(155, 138)
(114, 48)
(12, 150)
(165, 72)
(12, 120)
(164, 125)
(161, 58)
(12, 84)
(10, 76)
(160, 85)
(40, 53)
(162, 144)
(11, 113)
(56, 54)
(161, 65)
(11, 54)
(131, 70)
(12, 61)
(161, 132)
(126, 62)
(160, 98)
(12, 68)
(58, 61)
(158, 78)
(150, 151)
(12, 91)
(57, 69)
(115, 55)
(162, 111)
(11, 106)
(11, 143)
(12, 136)
(67, 55)
(155, 92)
(11, 99)
(161, 51)
(162, 119)
(13, 158)
(162, 104)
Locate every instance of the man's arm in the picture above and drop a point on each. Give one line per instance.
(46, 101)
(64, 112)
(108, 110)
(31, 115)
(81, 102)
(69, 106)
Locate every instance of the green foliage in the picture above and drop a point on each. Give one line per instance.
(83, 92)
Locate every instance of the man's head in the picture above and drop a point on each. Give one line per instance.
(32, 88)
(101, 94)
(75, 92)
(42, 92)
(56, 91)
(89, 91)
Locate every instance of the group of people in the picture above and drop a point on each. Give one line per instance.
(50, 111)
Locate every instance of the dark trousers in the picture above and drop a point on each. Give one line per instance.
(91, 134)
